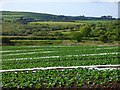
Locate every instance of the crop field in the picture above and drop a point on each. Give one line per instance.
(56, 23)
(27, 57)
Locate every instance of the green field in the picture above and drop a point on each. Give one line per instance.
(21, 57)
(94, 21)
(62, 78)
(56, 23)
(33, 43)
(46, 56)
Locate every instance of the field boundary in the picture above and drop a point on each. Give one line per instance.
(98, 67)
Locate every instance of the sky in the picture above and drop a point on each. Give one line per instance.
(95, 8)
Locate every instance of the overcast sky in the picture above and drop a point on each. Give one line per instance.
(64, 7)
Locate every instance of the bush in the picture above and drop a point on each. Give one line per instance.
(103, 38)
(85, 31)
(77, 36)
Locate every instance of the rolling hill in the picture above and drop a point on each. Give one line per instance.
(12, 15)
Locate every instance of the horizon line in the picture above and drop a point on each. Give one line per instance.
(54, 14)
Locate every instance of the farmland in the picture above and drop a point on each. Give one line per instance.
(23, 57)
(53, 51)
(46, 56)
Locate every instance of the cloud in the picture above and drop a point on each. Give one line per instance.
(60, 0)
(1, 4)
(5, 2)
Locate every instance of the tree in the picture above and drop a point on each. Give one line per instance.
(85, 31)
(103, 38)
(77, 36)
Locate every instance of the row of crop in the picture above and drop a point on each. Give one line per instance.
(111, 49)
(53, 46)
(55, 52)
(61, 78)
(40, 46)
(61, 61)
(43, 55)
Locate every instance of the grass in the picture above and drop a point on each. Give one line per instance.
(93, 21)
(61, 25)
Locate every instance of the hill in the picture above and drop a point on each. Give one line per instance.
(30, 16)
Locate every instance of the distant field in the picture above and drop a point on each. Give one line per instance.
(80, 22)
(54, 22)
(94, 21)
(59, 24)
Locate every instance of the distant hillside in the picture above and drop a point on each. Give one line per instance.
(10, 15)
(39, 26)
